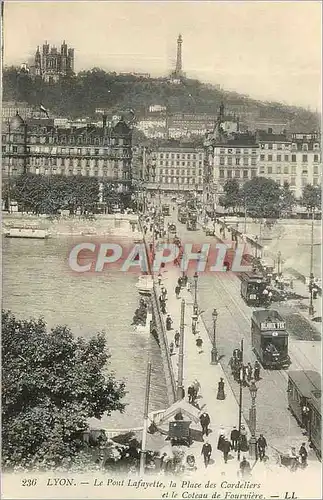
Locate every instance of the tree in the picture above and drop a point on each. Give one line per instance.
(287, 200)
(232, 196)
(312, 197)
(262, 198)
(52, 382)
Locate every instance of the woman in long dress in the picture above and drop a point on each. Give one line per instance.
(243, 439)
(221, 394)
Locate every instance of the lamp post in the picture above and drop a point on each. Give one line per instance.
(245, 215)
(279, 263)
(311, 282)
(214, 352)
(256, 247)
(253, 420)
(195, 306)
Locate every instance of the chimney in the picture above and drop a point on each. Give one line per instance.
(270, 130)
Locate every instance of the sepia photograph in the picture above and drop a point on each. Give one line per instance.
(161, 180)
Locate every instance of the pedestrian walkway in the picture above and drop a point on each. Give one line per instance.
(224, 414)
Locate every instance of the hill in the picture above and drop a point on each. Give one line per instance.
(81, 94)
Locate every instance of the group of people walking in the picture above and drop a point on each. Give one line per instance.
(243, 373)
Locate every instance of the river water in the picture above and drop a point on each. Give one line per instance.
(38, 282)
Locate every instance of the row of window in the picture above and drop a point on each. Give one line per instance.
(237, 174)
(179, 180)
(181, 156)
(238, 161)
(68, 151)
(168, 171)
(286, 170)
(178, 163)
(238, 151)
(116, 175)
(68, 162)
(316, 158)
(42, 139)
(293, 146)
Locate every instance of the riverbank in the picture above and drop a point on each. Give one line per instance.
(100, 225)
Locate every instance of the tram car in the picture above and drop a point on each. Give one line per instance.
(304, 390)
(270, 339)
(252, 287)
(165, 209)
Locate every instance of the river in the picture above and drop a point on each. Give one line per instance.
(38, 282)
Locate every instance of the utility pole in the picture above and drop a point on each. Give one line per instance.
(241, 377)
(144, 432)
(180, 387)
(311, 282)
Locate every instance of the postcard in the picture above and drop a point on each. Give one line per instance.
(161, 253)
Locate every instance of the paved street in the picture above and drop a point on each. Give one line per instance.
(222, 290)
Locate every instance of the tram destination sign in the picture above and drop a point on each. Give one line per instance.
(272, 325)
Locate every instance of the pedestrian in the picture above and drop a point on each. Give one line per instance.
(270, 297)
(221, 440)
(164, 293)
(185, 278)
(256, 371)
(231, 364)
(179, 282)
(188, 286)
(293, 459)
(249, 372)
(176, 338)
(169, 323)
(226, 448)
(221, 394)
(205, 422)
(303, 455)
(234, 438)
(305, 416)
(171, 348)
(197, 386)
(159, 279)
(206, 452)
(191, 394)
(199, 344)
(163, 306)
(243, 442)
(245, 468)
(177, 291)
(261, 446)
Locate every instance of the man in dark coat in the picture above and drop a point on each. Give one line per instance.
(261, 446)
(205, 422)
(245, 468)
(303, 454)
(206, 452)
(256, 370)
(234, 438)
(191, 394)
(226, 447)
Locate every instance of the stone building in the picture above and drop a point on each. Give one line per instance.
(175, 168)
(51, 64)
(295, 160)
(37, 147)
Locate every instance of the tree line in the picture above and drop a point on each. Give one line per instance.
(263, 198)
(50, 194)
(79, 95)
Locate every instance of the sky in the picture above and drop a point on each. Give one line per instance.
(268, 50)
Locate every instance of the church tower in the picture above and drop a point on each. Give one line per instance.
(179, 68)
(38, 65)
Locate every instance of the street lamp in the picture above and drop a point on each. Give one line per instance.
(214, 352)
(195, 306)
(253, 420)
(311, 282)
(279, 263)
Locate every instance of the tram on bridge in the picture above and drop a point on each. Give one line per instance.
(304, 393)
(270, 339)
(252, 288)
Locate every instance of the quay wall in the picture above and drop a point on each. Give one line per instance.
(102, 224)
(161, 332)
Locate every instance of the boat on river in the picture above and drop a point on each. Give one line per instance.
(27, 232)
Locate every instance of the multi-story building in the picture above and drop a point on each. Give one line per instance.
(234, 157)
(51, 64)
(9, 109)
(174, 168)
(38, 147)
(295, 160)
